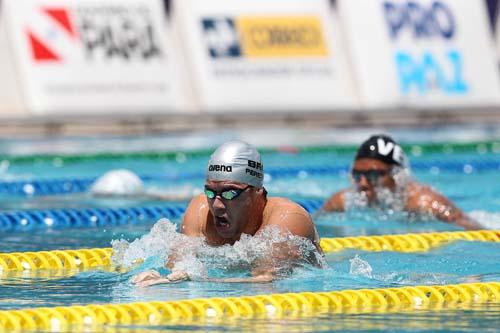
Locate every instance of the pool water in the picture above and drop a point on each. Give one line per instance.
(469, 177)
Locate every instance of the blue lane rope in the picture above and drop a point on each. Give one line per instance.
(92, 217)
(79, 185)
(86, 217)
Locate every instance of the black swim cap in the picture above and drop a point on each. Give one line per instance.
(383, 148)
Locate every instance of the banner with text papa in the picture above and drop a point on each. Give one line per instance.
(264, 55)
(422, 53)
(87, 57)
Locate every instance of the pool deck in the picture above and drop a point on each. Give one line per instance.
(151, 123)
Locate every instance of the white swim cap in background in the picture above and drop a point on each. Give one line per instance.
(237, 161)
(118, 182)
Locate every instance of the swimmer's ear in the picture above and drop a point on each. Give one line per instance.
(262, 191)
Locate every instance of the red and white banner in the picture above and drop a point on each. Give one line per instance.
(87, 56)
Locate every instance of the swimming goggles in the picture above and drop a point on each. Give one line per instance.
(372, 176)
(228, 194)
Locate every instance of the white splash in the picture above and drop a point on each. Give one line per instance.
(488, 220)
(360, 267)
(414, 278)
(158, 242)
(355, 200)
(387, 200)
(196, 257)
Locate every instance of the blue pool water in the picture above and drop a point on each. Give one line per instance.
(469, 178)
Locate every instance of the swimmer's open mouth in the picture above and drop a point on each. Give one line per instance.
(222, 223)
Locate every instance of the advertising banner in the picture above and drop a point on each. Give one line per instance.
(11, 104)
(87, 56)
(496, 30)
(264, 55)
(421, 53)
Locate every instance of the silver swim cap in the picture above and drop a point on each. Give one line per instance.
(237, 161)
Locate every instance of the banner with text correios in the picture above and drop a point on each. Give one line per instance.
(84, 56)
(421, 53)
(264, 55)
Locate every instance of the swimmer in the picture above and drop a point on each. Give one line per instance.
(116, 184)
(125, 183)
(381, 178)
(235, 203)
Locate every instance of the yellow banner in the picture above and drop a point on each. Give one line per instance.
(283, 36)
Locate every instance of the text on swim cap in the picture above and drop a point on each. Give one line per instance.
(220, 167)
(253, 173)
(255, 165)
(385, 148)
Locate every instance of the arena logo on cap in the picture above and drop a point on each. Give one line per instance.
(92, 32)
(220, 167)
(264, 37)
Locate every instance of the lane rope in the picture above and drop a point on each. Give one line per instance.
(273, 306)
(86, 259)
(58, 186)
(447, 148)
(28, 220)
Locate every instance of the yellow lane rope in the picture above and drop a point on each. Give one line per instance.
(407, 242)
(275, 306)
(56, 260)
(99, 258)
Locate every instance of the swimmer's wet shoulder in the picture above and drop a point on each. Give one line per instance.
(195, 218)
(336, 203)
(423, 199)
(290, 217)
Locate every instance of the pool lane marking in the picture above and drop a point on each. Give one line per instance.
(416, 149)
(273, 306)
(87, 259)
(69, 185)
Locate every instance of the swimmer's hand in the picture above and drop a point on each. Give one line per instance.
(150, 278)
(263, 278)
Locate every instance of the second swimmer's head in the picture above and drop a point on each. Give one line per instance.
(383, 148)
(380, 163)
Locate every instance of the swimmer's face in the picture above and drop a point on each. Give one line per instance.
(370, 173)
(230, 206)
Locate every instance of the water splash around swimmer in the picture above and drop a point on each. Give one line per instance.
(201, 260)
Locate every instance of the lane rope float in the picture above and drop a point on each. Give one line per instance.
(95, 258)
(275, 306)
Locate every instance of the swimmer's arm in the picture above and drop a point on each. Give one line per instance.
(424, 200)
(262, 278)
(190, 227)
(336, 203)
(152, 277)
